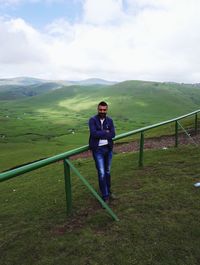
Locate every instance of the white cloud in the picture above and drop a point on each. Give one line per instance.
(12, 2)
(102, 11)
(9, 2)
(22, 47)
(6, 3)
(141, 39)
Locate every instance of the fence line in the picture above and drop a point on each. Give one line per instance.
(67, 164)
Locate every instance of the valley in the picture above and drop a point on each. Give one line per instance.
(54, 119)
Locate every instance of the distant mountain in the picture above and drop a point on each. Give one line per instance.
(19, 87)
(86, 82)
(10, 92)
(59, 111)
(94, 81)
(23, 81)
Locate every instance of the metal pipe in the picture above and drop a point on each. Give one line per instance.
(87, 184)
(30, 167)
(176, 133)
(68, 191)
(187, 133)
(196, 123)
(123, 135)
(141, 154)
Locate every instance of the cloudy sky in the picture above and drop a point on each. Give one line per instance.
(157, 40)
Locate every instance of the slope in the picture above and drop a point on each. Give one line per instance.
(132, 103)
(157, 206)
(57, 120)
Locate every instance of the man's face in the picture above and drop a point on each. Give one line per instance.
(102, 111)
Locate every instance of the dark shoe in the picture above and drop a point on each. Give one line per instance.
(107, 201)
(113, 196)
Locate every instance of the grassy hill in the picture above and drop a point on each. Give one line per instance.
(17, 88)
(14, 92)
(56, 120)
(20, 81)
(157, 206)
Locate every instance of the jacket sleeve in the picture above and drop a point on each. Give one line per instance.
(101, 134)
(111, 133)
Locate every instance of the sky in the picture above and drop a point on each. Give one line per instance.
(117, 40)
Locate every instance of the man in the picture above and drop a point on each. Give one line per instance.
(102, 131)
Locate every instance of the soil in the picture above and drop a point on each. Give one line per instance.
(162, 142)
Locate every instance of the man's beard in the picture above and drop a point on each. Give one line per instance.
(102, 115)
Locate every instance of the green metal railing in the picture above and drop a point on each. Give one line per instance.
(68, 164)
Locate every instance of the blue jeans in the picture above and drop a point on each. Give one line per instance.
(103, 158)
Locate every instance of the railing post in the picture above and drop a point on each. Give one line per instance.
(68, 191)
(176, 133)
(196, 124)
(87, 184)
(141, 155)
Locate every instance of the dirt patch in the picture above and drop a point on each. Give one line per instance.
(77, 220)
(161, 142)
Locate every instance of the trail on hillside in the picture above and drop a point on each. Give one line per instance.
(162, 142)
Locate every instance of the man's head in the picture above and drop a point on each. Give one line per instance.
(102, 109)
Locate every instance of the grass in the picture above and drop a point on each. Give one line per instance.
(157, 206)
(132, 104)
(56, 121)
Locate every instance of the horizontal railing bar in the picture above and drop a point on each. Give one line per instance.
(30, 167)
(123, 135)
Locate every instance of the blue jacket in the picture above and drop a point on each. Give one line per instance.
(96, 133)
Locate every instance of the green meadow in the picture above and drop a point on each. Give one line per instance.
(41, 123)
(157, 205)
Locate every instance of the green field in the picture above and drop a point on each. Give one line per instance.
(157, 206)
(53, 121)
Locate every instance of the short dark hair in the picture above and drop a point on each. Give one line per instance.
(102, 103)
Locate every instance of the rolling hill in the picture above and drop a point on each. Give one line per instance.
(158, 210)
(132, 104)
(16, 88)
(156, 205)
(56, 120)
(20, 81)
(127, 100)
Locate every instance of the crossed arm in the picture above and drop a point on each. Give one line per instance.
(101, 134)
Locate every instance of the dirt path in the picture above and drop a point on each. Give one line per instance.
(150, 143)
